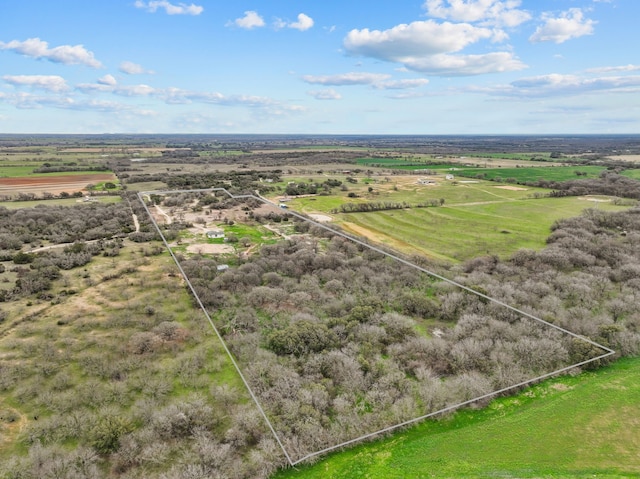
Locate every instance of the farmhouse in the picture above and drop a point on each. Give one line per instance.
(213, 234)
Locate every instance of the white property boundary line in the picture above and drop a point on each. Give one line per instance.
(608, 351)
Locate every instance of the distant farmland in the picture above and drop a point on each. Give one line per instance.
(523, 174)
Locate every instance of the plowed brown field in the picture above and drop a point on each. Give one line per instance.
(52, 184)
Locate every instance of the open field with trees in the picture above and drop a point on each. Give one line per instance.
(109, 369)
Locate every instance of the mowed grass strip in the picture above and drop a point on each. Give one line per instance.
(569, 427)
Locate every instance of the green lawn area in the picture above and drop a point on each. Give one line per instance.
(569, 427)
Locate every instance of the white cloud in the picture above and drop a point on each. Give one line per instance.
(417, 39)
(329, 94)
(66, 54)
(426, 46)
(570, 24)
(52, 83)
(401, 84)
(406, 95)
(305, 22)
(250, 20)
(353, 78)
(107, 80)
(131, 68)
(466, 65)
(621, 68)
(487, 12)
(169, 8)
(108, 84)
(555, 84)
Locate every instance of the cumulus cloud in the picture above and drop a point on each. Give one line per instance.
(570, 24)
(329, 94)
(169, 8)
(250, 20)
(65, 54)
(131, 68)
(353, 78)
(427, 46)
(107, 80)
(305, 22)
(487, 12)
(52, 83)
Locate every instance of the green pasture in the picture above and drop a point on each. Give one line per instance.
(59, 202)
(409, 191)
(459, 233)
(635, 174)
(568, 427)
(522, 175)
(147, 186)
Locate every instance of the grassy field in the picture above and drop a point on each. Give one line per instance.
(570, 427)
(459, 233)
(521, 175)
(635, 174)
(518, 174)
(147, 186)
(496, 220)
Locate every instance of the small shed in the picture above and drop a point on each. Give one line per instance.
(213, 234)
(448, 177)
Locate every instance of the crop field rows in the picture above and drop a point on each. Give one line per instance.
(292, 444)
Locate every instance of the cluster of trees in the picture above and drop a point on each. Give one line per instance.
(248, 180)
(63, 224)
(53, 168)
(331, 334)
(609, 183)
(384, 205)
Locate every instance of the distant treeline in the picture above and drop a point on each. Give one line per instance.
(609, 183)
(61, 168)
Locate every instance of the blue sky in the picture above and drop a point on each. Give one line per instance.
(309, 66)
